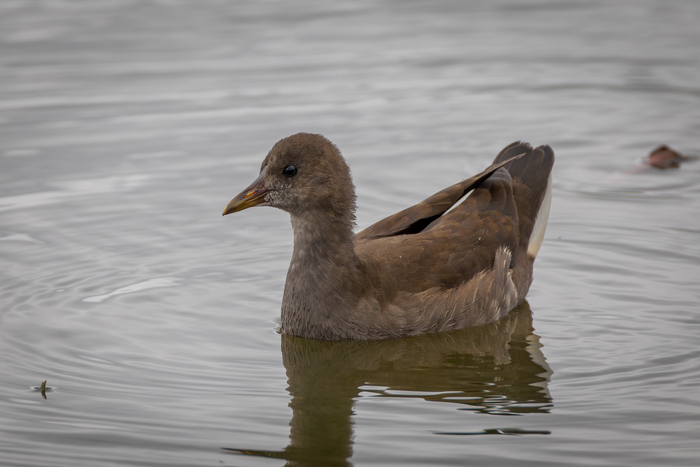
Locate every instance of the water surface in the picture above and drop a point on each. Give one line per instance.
(126, 127)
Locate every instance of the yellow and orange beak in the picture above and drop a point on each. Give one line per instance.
(251, 196)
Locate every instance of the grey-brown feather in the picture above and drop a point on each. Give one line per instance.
(426, 269)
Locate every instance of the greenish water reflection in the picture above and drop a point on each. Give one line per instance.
(496, 369)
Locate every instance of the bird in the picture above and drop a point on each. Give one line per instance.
(462, 257)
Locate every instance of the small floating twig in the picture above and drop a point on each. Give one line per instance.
(43, 388)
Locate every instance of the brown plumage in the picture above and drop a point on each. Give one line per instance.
(421, 270)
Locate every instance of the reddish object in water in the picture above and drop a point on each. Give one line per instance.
(664, 157)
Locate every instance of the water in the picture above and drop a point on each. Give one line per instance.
(126, 127)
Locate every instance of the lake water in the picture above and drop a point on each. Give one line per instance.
(126, 126)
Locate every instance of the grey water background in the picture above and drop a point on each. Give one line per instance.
(126, 127)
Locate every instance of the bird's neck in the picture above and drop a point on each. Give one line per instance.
(324, 274)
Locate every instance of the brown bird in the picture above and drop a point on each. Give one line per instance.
(425, 269)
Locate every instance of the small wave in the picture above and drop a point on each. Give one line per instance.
(149, 284)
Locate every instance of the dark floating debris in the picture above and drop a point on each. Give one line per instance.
(43, 388)
(497, 431)
(664, 157)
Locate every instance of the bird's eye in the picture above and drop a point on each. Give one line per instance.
(290, 171)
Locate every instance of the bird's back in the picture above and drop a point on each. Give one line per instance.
(438, 244)
(440, 265)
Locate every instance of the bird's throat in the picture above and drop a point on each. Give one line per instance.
(324, 273)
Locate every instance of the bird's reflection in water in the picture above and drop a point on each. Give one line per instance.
(497, 369)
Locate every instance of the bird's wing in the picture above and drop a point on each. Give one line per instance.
(418, 217)
(452, 249)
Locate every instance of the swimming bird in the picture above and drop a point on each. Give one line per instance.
(428, 268)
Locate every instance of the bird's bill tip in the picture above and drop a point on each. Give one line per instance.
(254, 195)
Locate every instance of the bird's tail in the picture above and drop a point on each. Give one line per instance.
(532, 190)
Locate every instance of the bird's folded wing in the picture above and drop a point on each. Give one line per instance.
(417, 217)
